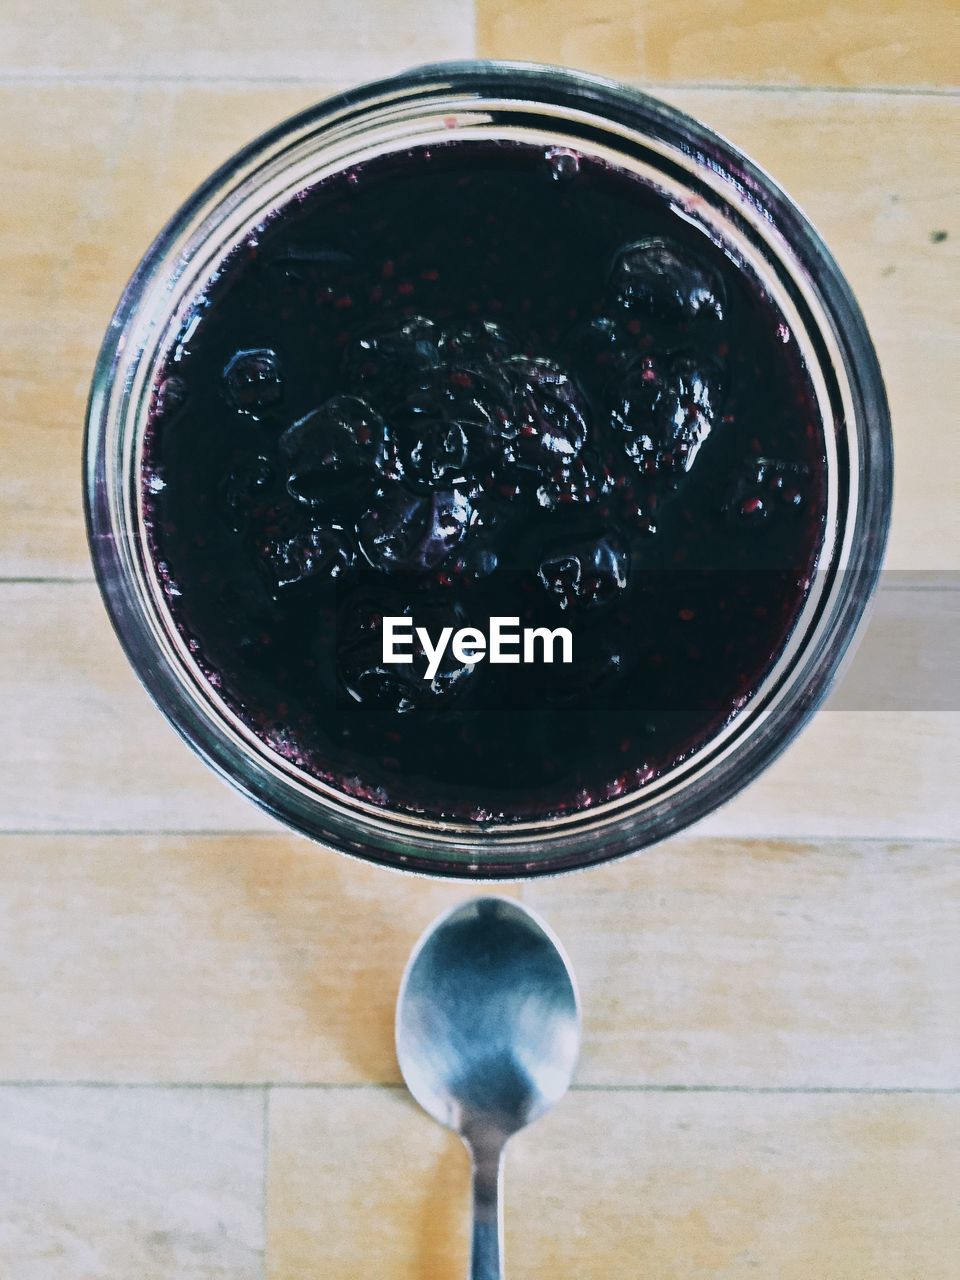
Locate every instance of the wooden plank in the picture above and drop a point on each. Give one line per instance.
(63, 262)
(202, 959)
(715, 962)
(159, 1184)
(908, 42)
(251, 959)
(83, 745)
(399, 1214)
(681, 1186)
(92, 175)
(84, 749)
(764, 964)
(854, 774)
(179, 40)
(909, 657)
(844, 159)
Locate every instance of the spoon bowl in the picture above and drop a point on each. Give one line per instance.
(488, 1035)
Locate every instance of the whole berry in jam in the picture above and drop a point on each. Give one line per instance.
(405, 532)
(361, 671)
(658, 279)
(340, 444)
(294, 550)
(585, 574)
(384, 362)
(398, 688)
(665, 410)
(600, 349)
(477, 561)
(549, 421)
(252, 380)
(434, 451)
(474, 401)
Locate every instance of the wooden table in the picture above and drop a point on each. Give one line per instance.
(196, 1070)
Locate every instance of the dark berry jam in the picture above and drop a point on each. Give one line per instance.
(472, 382)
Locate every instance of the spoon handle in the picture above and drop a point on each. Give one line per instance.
(486, 1249)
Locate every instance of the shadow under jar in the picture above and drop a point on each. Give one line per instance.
(488, 341)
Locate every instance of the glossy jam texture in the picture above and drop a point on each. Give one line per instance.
(479, 381)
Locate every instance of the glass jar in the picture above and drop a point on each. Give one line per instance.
(713, 185)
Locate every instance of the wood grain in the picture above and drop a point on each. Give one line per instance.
(851, 773)
(393, 1186)
(724, 1187)
(83, 745)
(702, 962)
(872, 171)
(804, 965)
(909, 656)
(236, 40)
(92, 175)
(219, 959)
(739, 989)
(843, 159)
(854, 774)
(854, 43)
(112, 1184)
(680, 1186)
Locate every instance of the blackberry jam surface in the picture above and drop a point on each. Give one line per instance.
(481, 381)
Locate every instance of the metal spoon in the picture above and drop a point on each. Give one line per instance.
(488, 1034)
